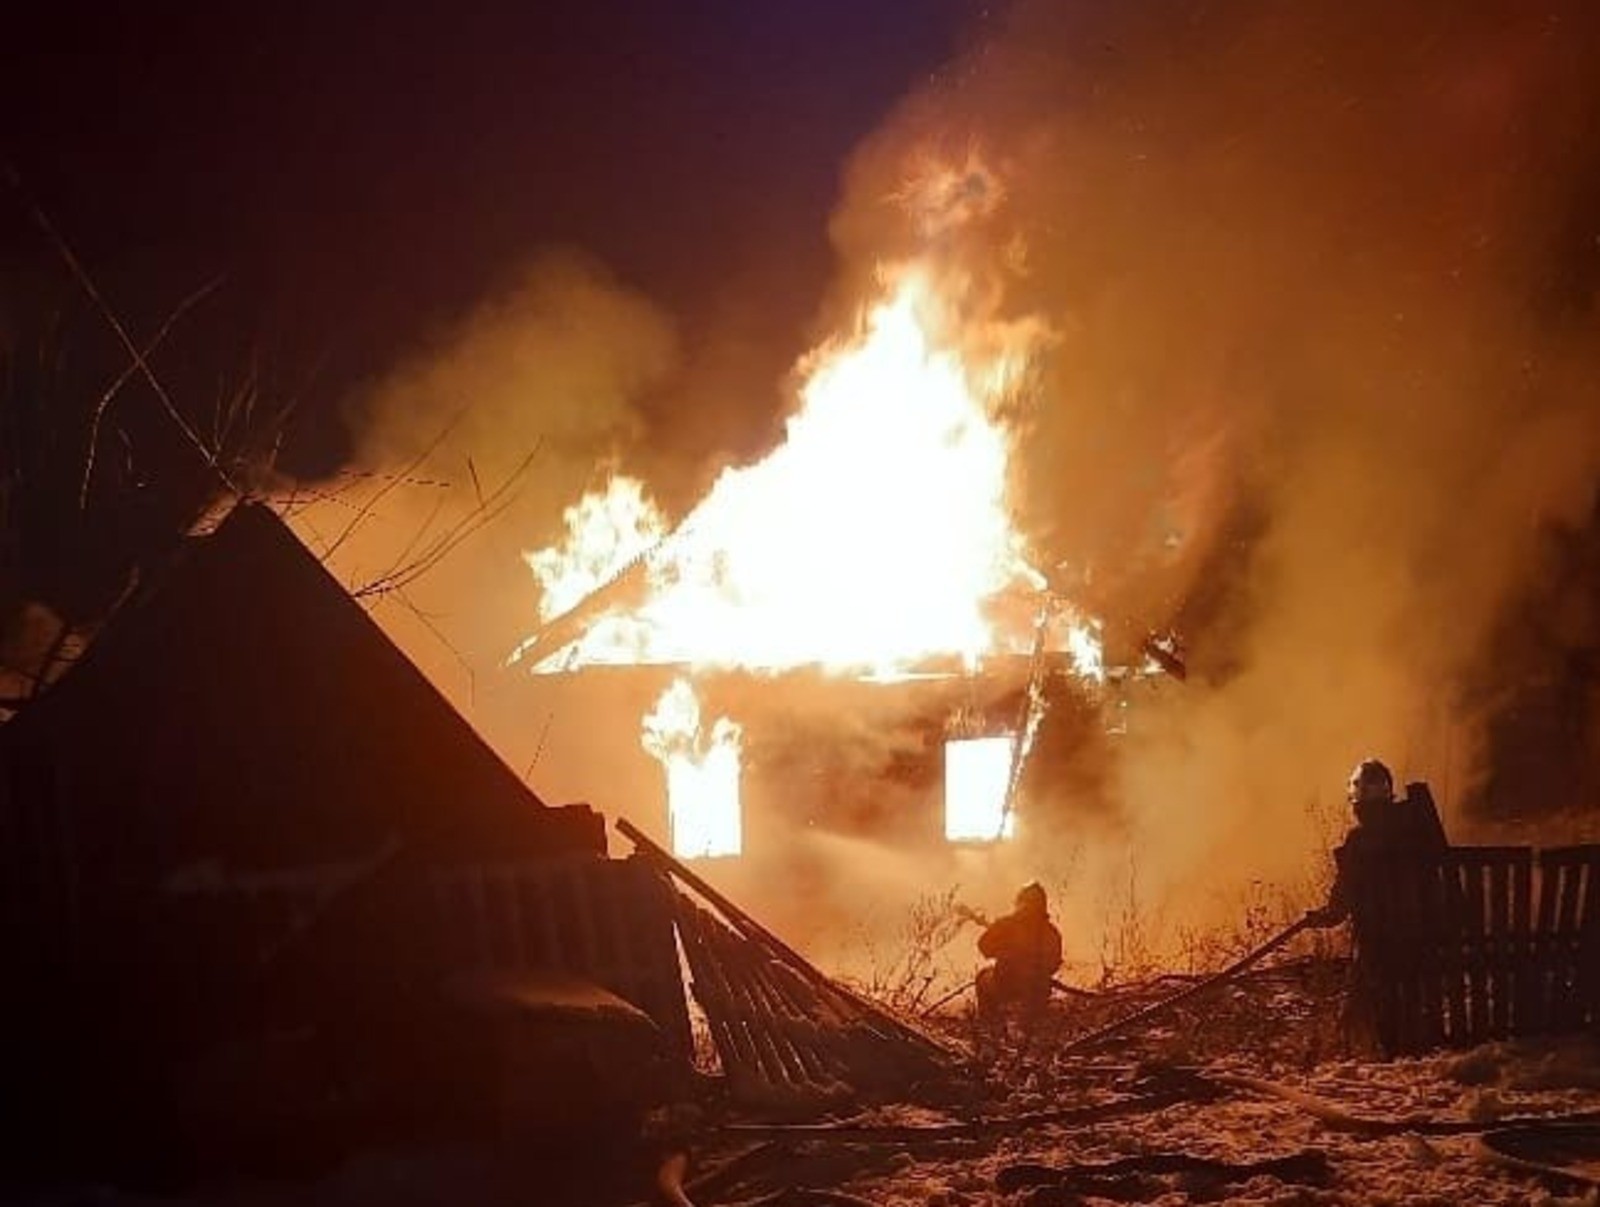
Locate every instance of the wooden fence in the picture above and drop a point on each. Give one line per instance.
(1482, 943)
(609, 920)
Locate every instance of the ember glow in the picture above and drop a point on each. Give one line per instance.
(876, 535)
(1088, 656)
(702, 769)
(977, 773)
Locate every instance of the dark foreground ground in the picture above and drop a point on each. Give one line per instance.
(1253, 1096)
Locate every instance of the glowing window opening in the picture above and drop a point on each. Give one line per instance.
(976, 772)
(703, 804)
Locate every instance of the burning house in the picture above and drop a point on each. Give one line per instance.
(867, 574)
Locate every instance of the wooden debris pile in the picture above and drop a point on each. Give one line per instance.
(789, 1038)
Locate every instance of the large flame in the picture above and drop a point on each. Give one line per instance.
(876, 535)
(702, 770)
(605, 532)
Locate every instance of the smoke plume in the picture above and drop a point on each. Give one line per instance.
(475, 444)
(1320, 282)
(1322, 277)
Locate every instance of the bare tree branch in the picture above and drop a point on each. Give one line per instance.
(382, 491)
(438, 634)
(538, 750)
(115, 388)
(494, 505)
(416, 537)
(86, 283)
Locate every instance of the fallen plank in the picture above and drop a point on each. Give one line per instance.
(1566, 1153)
(1340, 1119)
(909, 1133)
(1308, 1167)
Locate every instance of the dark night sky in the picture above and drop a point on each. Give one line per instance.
(362, 174)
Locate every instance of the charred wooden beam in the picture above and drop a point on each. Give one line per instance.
(623, 589)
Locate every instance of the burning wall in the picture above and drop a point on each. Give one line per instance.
(1279, 323)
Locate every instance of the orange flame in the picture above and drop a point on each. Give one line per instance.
(604, 533)
(702, 773)
(876, 535)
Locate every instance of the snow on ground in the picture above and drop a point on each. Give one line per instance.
(1370, 1119)
(1405, 1169)
(1267, 1053)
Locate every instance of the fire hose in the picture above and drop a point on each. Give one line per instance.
(1117, 1026)
(1056, 985)
(1155, 1009)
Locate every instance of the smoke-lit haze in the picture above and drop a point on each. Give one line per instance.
(1320, 282)
(1325, 364)
(535, 395)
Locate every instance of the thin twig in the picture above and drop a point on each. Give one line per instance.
(304, 496)
(378, 495)
(446, 545)
(439, 636)
(538, 751)
(494, 506)
(128, 370)
(316, 535)
(386, 475)
(86, 283)
(416, 538)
